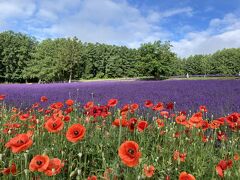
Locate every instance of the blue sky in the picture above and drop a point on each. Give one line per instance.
(192, 26)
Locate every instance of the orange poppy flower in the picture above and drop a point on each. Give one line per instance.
(2, 97)
(117, 122)
(214, 124)
(112, 102)
(19, 143)
(54, 125)
(158, 107)
(181, 156)
(186, 176)
(134, 107)
(196, 119)
(43, 99)
(181, 119)
(165, 114)
(39, 163)
(129, 153)
(236, 157)
(69, 102)
(92, 178)
(54, 167)
(148, 103)
(160, 123)
(142, 125)
(88, 105)
(75, 133)
(148, 170)
(12, 169)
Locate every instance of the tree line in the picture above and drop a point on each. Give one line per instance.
(23, 58)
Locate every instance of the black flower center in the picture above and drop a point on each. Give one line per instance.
(39, 163)
(131, 151)
(75, 133)
(54, 125)
(20, 141)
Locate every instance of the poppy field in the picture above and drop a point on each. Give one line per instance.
(114, 139)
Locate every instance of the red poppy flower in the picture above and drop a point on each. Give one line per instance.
(222, 136)
(142, 125)
(131, 124)
(19, 143)
(12, 169)
(57, 105)
(54, 125)
(223, 165)
(148, 170)
(148, 103)
(170, 105)
(124, 109)
(129, 153)
(68, 110)
(181, 156)
(204, 125)
(39, 163)
(92, 178)
(112, 102)
(233, 120)
(2, 97)
(69, 102)
(43, 99)
(54, 167)
(203, 109)
(67, 118)
(186, 176)
(75, 133)
(24, 117)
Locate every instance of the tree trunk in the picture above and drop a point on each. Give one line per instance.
(70, 78)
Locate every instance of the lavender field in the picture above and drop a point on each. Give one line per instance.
(220, 96)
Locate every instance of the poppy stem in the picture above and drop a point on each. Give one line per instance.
(120, 133)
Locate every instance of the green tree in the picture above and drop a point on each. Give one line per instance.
(156, 59)
(226, 61)
(16, 51)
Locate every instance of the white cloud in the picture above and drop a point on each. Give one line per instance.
(172, 12)
(110, 22)
(16, 8)
(221, 33)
